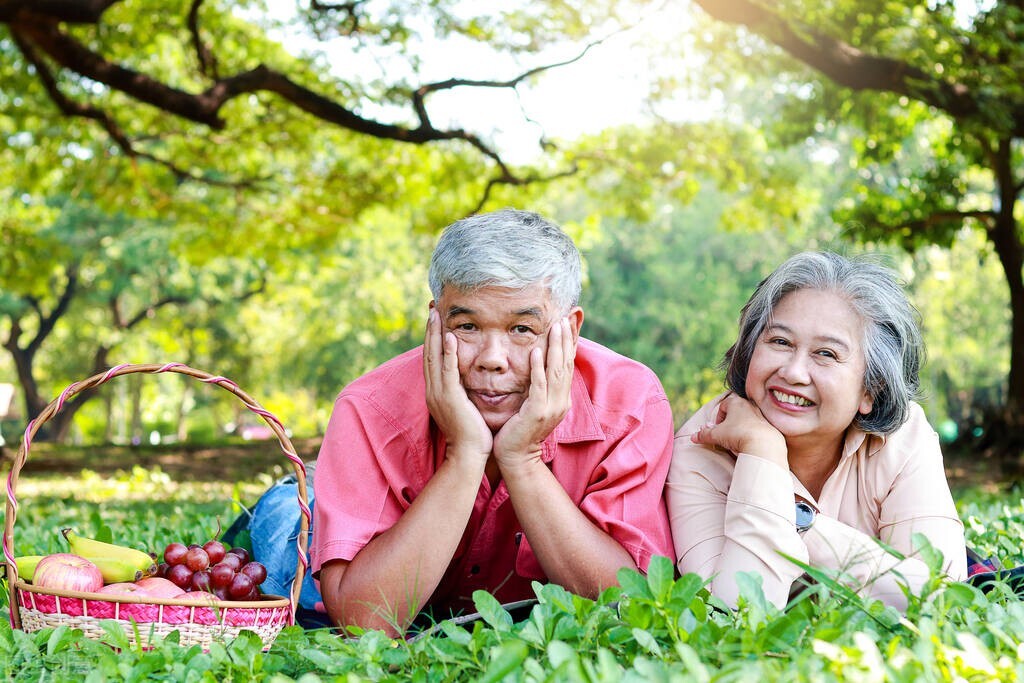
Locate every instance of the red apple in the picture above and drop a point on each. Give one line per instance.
(201, 597)
(64, 571)
(123, 588)
(159, 588)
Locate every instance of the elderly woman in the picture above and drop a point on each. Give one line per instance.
(817, 451)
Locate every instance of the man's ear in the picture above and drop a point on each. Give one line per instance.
(575, 317)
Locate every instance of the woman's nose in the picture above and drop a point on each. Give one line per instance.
(794, 370)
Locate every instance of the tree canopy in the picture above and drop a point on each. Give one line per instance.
(931, 98)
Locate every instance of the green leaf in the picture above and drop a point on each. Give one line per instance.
(504, 659)
(634, 583)
(492, 611)
(646, 641)
(660, 574)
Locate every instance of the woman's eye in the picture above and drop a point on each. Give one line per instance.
(825, 353)
(778, 341)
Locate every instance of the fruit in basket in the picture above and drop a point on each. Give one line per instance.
(175, 553)
(66, 571)
(241, 552)
(180, 576)
(117, 563)
(201, 597)
(221, 575)
(123, 588)
(215, 550)
(242, 588)
(193, 568)
(255, 571)
(232, 560)
(27, 565)
(160, 588)
(196, 559)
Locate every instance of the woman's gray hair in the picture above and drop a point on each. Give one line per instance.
(507, 248)
(893, 348)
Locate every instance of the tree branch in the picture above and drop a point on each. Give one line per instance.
(207, 60)
(939, 217)
(72, 108)
(849, 66)
(66, 11)
(47, 322)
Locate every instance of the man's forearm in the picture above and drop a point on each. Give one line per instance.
(571, 549)
(388, 581)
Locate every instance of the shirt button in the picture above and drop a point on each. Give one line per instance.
(474, 570)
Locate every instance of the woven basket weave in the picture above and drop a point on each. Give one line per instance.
(146, 618)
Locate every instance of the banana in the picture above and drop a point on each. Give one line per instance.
(27, 566)
(117, 563)
(119, 570)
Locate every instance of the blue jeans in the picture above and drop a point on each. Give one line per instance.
(273, 526)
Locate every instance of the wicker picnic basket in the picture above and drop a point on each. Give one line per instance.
(147, 618)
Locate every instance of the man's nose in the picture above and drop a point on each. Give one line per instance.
(493, 353)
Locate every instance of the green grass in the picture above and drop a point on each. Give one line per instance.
(653, 628)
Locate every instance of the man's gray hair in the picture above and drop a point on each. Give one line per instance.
(893, 348)
(507, 248)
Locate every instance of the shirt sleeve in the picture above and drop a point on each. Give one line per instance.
(625, 495)
(731, 514)
(914, 499)
(356, 495)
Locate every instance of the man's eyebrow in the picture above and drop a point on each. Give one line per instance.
(534, 311)
(827, 339)
(458, 310)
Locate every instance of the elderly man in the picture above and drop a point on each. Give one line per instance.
(506, 449)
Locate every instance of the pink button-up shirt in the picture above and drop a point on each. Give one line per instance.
(611, 453)
(737, 513)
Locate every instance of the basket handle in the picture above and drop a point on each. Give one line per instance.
(54, 407)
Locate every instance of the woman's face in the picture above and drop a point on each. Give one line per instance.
(806, 374)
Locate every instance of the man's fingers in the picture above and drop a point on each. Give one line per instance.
(450, 361)
(432, 350)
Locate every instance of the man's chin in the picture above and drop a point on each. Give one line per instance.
(496, 419)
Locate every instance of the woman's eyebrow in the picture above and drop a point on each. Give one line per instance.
(835, 341)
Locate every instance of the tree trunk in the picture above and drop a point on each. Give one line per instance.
(1006, 240)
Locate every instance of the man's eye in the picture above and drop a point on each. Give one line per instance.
(466, 327)
(522, 329)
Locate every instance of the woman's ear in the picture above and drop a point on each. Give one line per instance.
(866, 403)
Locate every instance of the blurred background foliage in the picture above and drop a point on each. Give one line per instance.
(289, 252)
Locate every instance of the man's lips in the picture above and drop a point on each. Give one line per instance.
(490, 397)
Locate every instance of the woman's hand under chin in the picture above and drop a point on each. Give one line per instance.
(739, 427)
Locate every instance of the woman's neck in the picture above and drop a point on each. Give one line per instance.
(813, 463)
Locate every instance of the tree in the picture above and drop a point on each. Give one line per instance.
(125, 65)
(936, 96)
(107, 275)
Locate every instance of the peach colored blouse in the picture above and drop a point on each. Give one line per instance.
(734, 513)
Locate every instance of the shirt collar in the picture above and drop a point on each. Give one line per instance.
(857, 438)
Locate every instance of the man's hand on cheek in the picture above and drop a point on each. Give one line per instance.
(551, 371)
(458, 419)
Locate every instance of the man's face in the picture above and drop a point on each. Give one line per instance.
(496, 329)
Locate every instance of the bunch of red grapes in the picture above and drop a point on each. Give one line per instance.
(226, 573)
